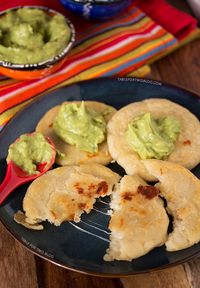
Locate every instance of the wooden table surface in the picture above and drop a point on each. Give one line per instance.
(21, 269)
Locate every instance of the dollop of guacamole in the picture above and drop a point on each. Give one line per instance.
(80, 126)
(30, 150)
(31, 36)
(153, 138)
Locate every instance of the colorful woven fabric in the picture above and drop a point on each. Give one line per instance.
(116, 47)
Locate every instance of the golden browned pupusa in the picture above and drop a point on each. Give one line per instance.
(181, 189)
(139, 221)
(186, 150)
(69, 154)
(66, 192)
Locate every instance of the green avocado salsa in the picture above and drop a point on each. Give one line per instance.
(80, 126)
(153, 138)
(30, 36)
(30, 150)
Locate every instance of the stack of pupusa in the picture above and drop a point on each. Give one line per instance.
(139, 222)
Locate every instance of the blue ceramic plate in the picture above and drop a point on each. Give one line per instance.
(81, 246)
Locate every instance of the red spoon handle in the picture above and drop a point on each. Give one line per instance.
(15, 176)
(9, 184)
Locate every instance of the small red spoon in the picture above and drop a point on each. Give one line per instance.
(15, 176)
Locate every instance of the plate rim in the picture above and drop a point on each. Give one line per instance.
(145, 81)
(96, 274)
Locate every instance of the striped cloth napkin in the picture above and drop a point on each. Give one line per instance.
(119, 47)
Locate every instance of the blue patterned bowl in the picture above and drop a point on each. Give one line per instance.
(96, 9)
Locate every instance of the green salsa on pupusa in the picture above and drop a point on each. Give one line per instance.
(81, 126)
(30, 150)
(31, 36)
(153, 138)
